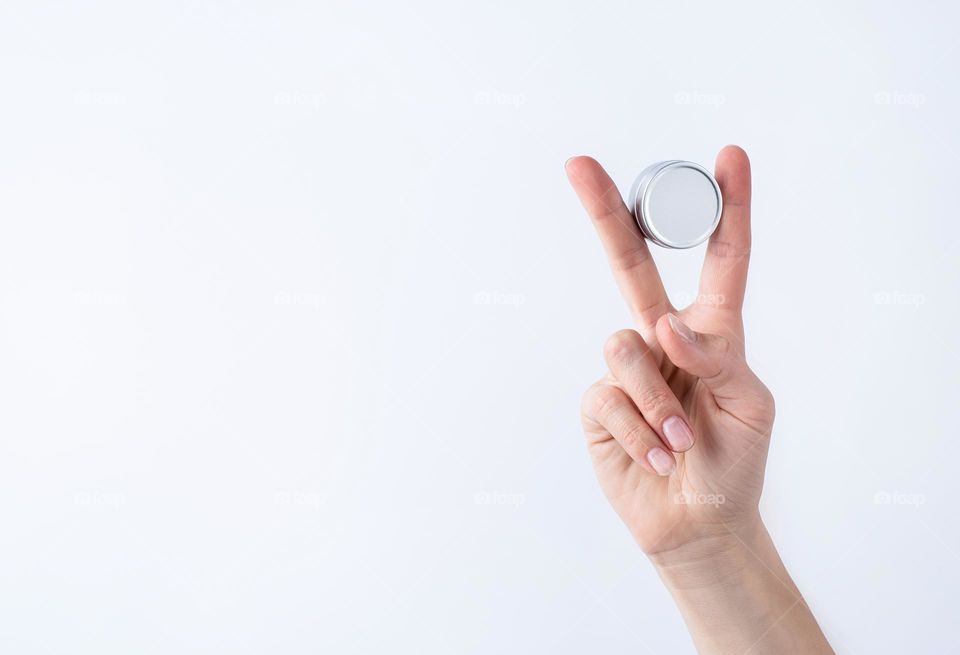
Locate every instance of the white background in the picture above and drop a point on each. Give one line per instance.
(297, 309)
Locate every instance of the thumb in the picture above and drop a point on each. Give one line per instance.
(721, 368)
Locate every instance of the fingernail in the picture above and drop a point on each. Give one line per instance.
(681, 329)
(661, 461)
(678, 433)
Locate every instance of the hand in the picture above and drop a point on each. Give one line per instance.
(678, 430)
(680, 383)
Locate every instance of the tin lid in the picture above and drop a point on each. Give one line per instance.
(680, 204)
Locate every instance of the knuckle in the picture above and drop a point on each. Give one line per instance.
(588, 401)
(767, 403)
(724, 348)
(609, 205)
(762, 408)
(724, 358)
(633, 437)
(648, 313)
(599, 399)
(653, 400)
(632, 259)
(623, 344)
(728, 250)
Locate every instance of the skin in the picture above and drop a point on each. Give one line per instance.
(679, 428)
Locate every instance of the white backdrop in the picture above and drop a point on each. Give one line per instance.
(297, 309)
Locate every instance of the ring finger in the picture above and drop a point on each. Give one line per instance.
(613, 410)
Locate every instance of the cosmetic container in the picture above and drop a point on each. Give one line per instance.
(676, 203)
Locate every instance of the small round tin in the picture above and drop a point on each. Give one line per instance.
(677, 204)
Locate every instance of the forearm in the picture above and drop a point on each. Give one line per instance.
(736, 596)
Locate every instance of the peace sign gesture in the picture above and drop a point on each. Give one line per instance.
(678, 429)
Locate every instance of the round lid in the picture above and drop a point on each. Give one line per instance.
(682, 204)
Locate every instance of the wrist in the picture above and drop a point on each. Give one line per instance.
(715, 558)
(736, 595)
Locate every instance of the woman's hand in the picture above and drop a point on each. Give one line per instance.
(680, 382)
(678, 429)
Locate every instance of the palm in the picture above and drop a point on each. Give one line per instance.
(719, 480)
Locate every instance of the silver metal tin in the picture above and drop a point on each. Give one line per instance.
(677, 204)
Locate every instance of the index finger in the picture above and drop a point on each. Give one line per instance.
(633, 268)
